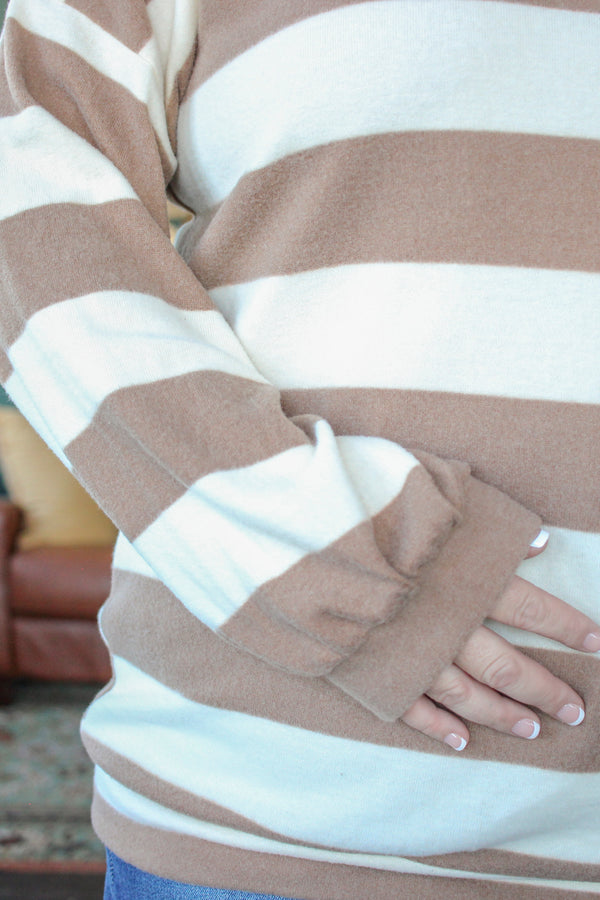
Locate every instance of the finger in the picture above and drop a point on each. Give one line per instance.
(491, 660)
(439, 724)
(457, 691)
(526, 606)
(539, 544)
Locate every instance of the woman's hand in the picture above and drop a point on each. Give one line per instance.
(493, 683)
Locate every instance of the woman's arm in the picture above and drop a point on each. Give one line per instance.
(324, 554)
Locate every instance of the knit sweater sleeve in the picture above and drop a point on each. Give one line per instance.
(328, 555)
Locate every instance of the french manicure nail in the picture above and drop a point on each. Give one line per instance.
(526, 728)
(541, 540)
(592, 642)
(455, 741)
(571, 714)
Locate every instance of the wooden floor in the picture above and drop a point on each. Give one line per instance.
(55, 886)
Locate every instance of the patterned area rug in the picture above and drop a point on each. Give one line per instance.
(46, 781)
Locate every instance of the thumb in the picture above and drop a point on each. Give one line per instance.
(538, 545)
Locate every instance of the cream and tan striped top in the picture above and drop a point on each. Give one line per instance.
(327, 425)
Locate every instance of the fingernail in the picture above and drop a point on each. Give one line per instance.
(592, 642)
(571, 714)
(455, 741)
(541, 540)
(526, 728)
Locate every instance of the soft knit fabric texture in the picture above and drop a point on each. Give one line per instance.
(327, 425)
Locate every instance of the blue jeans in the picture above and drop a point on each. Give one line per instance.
(125, 882)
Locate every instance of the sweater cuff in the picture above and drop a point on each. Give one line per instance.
(401, 659)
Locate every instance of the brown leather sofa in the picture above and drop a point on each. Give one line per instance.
(49, 600)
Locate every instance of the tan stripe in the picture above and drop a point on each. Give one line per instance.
(229, 28)
(6, 368)
(169, 795)
(282, 645)
(145, 624)
(452, 197)
(543, 454)
(103, 247)
(14, 95)
(589, 6)
(117, 19)
(359, 591)
(408, 532)
(79, 96)
(200, 415)
(520, 864)
(183, 858)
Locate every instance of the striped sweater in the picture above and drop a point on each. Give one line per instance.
(327, 424)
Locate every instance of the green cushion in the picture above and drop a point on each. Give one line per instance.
(4, 401)
(4, 398)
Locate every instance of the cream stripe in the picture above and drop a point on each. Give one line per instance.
(127, 559)
(463, 329)
(175, 26)
(26, 401)
(72, 30)
(577, 583)
(143, 339)
(146, 812)
(431, 66)
(252, 524)
(375, 799)
(68, 171)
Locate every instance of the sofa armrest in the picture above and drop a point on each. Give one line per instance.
(10, 522)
